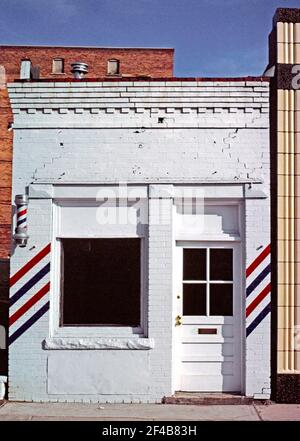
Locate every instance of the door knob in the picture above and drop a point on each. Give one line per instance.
(178, 321)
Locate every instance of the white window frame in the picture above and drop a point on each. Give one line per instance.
(213, 202)
(57, 331)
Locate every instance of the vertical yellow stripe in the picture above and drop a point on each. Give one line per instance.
(286, 43)
(292, 223)
(286, 216)
(291, 43)
(286, 47)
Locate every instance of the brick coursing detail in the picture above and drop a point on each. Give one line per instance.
(155, 63)
(6, 140)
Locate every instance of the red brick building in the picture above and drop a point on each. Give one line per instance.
(55, 62)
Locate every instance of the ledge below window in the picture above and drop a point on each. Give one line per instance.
(98, 343)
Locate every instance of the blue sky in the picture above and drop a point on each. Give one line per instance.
(210, 37)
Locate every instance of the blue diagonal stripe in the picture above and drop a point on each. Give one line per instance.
(258, 319)
(29, 323)
(19, 222)
(258, 279)
(38, 276)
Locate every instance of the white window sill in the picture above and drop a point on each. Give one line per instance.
(98, 343)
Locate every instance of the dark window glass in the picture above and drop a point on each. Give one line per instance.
(194, 264)
(221, 264)
(194, 299)
(101, 282)
(221, 298)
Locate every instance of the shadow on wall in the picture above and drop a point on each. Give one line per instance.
(4, 283)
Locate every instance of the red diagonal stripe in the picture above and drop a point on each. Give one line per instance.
(20, 213)
(258, 260)
(29, 265)
(258, 299)
(29, 304)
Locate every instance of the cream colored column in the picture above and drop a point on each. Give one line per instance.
(288, 160)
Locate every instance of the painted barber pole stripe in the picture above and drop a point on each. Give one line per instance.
(29, 265)
(25, 288)
(258, 260)
(258, 290)
(25, 326)
(22, 211)
(258, 280)
(22, 216)
(29, 294)
(32, 301)
(258, 319)
(258, 299)
(21, 222)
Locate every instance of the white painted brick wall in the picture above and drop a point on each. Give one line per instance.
(109, 132)
(258, 345)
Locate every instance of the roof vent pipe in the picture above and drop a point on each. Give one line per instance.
(79, 70)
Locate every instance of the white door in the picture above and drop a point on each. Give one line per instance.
(208, 317)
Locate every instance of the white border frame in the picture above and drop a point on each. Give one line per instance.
(57, 331)
(241, 240)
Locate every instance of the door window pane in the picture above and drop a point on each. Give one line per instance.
(221, 299)
(221, 264)
(194, 264)
(194, 299)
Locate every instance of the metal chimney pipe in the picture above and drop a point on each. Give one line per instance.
(79, 70)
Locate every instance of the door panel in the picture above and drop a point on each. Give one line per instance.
(208, 307)
(209, 351)
(207, 383)
(207, 368)
(206, 331)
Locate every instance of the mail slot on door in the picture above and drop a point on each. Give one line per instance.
(207, 330)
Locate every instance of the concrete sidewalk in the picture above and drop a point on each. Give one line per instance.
(13, 411)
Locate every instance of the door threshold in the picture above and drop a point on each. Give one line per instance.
(207, 398)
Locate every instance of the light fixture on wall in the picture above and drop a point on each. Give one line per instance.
(21, 236)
